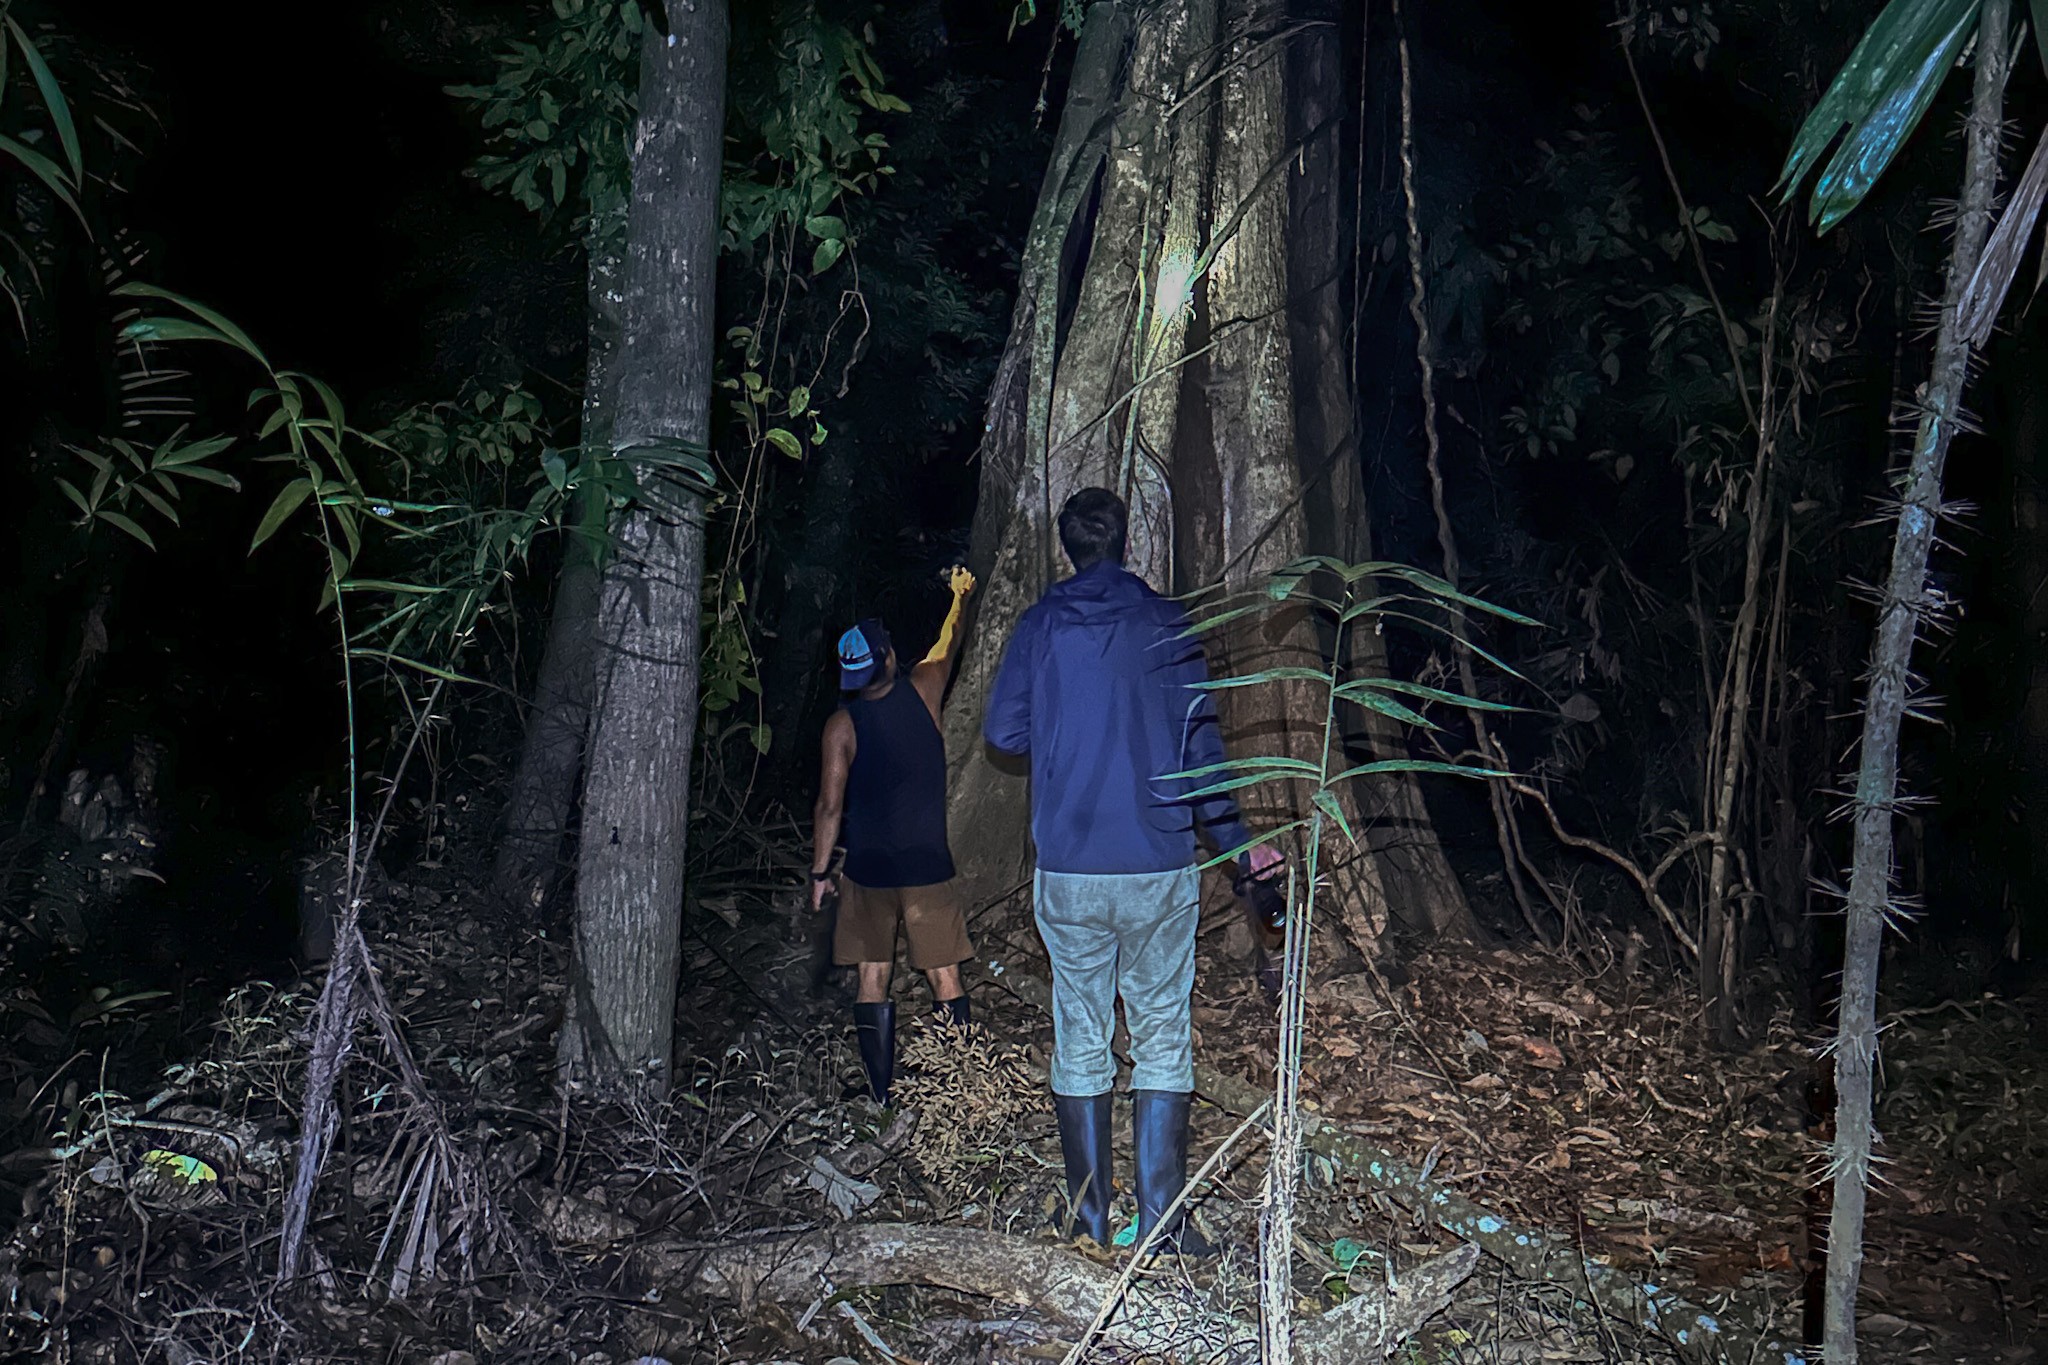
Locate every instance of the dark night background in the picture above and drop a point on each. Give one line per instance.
(305, 172)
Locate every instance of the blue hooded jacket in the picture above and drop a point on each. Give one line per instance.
(1095, 687)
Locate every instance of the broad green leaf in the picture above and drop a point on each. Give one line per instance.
(176, 1166)
(825, 227)
(173, 329)
(1876, 101)
(287, 501)
(785, 441)
(125, 523)
(828, 252)
(799, 399)
(53, 99)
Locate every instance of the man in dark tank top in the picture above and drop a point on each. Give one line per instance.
(882, 797)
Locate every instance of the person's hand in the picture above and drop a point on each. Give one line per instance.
(819, 891)
(1260, 860)
(961, 582)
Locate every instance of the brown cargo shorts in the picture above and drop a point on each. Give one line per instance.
(929, 916)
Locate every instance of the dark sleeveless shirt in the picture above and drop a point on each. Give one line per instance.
(895, 829)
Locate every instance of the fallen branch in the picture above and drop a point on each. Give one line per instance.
(1647, 881)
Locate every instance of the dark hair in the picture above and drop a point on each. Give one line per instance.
(1093, 527)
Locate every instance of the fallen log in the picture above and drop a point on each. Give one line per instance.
(1054, 1282)
(1532, 1253)
(1043, 1278)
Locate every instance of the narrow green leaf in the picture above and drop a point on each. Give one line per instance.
(208, 474)
(1229, 855)
(1415, 765)
(45, 170)
(155, 500)
(1269, 675)
(173, 458)
(71, 492)
(1393, 710)
(1877, 100)
(53, 99)
(287, 501)
(117, 520)
(137, 289)
(1326, 802)
(1255, 763)
(1235, 784)
(1348, 690)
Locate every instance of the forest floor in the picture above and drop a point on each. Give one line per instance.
(1561, 1098)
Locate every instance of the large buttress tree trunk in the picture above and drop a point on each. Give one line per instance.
(1891, 682)
(1423, 894)
(1202, 444)
(629, 890)
(551, 758)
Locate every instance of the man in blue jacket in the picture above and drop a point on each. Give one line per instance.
(1099, 685)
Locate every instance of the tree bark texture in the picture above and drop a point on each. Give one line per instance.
(551, 757)
(1905, 599)
(621, 1013)
(1423, 894)
(1176, 384)
(1007, 552)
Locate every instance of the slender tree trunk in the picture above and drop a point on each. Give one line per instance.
(1423, 893)
(1905, 598)
(551, 759)
(621, 1013)
(1008, 547)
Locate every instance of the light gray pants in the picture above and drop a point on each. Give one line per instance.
(1131, 935)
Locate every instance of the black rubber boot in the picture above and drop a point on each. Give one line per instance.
(953, 1012)
(1084, 1142)
(876, 1025)
(1159, 1131)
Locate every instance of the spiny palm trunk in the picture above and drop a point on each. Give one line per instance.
(551, 758)
(1905, 598)
(620, 1016)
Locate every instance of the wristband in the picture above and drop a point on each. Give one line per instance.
(819, 877)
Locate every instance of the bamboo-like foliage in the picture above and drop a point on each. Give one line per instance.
(1350, 597)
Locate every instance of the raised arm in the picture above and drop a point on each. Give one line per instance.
(936, 669)
(830, 809)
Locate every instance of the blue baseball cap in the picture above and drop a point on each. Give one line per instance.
(862, 653)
